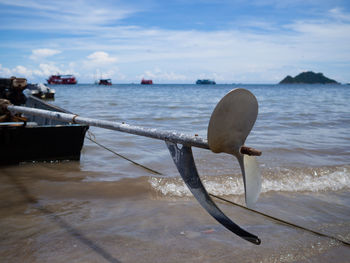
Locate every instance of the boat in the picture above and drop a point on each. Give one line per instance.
(205, 82)
(40, 91)
(62, 79)
(35, 138)
(106, 82)
(146, 81)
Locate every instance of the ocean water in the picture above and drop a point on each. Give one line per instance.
(105, 209)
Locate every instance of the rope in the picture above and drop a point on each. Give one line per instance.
(73, 119)
(281, 220)
(90, 135)
(223, 199)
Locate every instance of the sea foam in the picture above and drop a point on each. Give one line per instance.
(280, 180)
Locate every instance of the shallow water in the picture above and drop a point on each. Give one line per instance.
(104, 209)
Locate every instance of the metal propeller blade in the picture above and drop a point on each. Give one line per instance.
(184, 161)
(230, 124)
(251, 177)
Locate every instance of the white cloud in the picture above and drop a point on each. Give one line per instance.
(64, 15)
(163, 76)
(101, 58)
(23, 71)
(38, 54)
(47, 69)
(18, 71)
(339, 14)
(5, 72)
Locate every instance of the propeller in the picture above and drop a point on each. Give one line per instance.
(229, 126)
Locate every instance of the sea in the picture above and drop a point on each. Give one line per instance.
(105, 208)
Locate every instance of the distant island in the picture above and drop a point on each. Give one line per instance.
(308, 77)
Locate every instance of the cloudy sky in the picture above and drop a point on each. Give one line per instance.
(175, 41)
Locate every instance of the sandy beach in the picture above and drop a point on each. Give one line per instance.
(50, 216)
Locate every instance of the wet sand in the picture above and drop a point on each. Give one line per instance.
(48, 215)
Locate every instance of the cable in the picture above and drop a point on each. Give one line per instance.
(119, 155)
(220, 198)
(281, 220)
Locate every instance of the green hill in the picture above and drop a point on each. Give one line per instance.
(308, 78)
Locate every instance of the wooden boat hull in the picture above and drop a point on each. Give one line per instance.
(48, 140)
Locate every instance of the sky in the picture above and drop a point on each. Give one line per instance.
(175, 41)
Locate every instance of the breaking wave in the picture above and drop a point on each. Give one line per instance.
(281, 180)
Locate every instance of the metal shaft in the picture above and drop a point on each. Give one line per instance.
(170, 136)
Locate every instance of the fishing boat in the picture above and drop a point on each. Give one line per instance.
(146, 82)
(25, 138)
(205, 82)
(106, 82)
(62, 80)
(40, 91)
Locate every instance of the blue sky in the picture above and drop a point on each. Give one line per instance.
(176, 41)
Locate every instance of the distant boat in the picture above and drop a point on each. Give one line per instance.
(205, 82)
(147, 81)
(62, 79)
(40, 91)
(106, 82)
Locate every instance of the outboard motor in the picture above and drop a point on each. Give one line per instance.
(12, 89)
(11, 92)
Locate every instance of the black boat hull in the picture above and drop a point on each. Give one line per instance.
(41, 143)
(48, 140)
